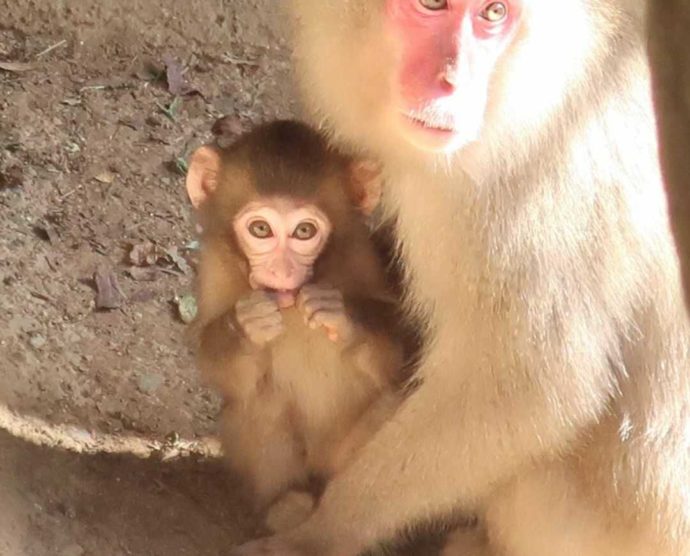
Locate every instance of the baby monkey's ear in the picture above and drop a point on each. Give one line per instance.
(365, 185)
(202, 176)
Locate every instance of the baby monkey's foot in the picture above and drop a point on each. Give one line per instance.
(289, 511)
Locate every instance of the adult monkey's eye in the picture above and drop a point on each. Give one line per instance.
(434, 5)
(494, 12)
(304, 231)
(260, 229)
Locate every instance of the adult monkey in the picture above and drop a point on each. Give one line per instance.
(519, 146)
(670, 54)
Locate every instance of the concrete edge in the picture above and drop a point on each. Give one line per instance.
(79, 440)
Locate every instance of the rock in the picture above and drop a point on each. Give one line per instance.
(186, 307)
(72, 550)
(149, 383)
(37, 341)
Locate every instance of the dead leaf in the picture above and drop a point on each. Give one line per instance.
(142, 296)
(45, 232)
(227, 125)
(226, 130)
(174, 73)
(178, 260)
(16, 67)
(11, 177)
(149, 69)
(133, 123)
(71, 101)
(108, 292)
(154, 120)
(105, 177)
(144, 254)
(143, 274)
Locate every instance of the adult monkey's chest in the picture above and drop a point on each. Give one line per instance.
(439, 244)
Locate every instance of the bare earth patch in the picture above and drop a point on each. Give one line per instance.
(92, 153)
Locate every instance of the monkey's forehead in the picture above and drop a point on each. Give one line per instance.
(282, 204)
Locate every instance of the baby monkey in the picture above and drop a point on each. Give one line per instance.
(296, 324)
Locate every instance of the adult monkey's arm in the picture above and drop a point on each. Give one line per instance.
(669, 51)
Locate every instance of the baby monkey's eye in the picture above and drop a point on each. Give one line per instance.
(304, 231)
(260, 229)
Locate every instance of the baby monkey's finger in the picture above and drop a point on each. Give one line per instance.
(313, 305)
(317, 294)
(253, 309)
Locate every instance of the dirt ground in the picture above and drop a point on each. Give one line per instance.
(61, 504)
(92, 144)
(103, 420)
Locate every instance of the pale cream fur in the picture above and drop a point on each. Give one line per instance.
(555, 400)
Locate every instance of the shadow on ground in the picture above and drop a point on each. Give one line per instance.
(64, 504)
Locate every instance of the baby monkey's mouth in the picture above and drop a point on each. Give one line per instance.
(284, 297)
(281, 290)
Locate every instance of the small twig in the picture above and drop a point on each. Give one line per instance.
(117, 130)
(131, 64)
(170, 271)
(51, 48)
(39, 295)
(93, 88)
(16, 66)
(239, 61)
(71, 191)
(50, 263)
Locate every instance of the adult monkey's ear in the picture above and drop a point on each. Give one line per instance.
(202, 175)
(365, 185)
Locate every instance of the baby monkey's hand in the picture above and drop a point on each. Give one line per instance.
(259, 318)
(324, 306)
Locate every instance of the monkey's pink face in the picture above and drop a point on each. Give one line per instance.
(281, 240)
(448, 51)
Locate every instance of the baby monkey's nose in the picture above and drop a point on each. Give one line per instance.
(283, 268)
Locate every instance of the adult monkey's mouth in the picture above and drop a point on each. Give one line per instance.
(430, 134)
(427, 123)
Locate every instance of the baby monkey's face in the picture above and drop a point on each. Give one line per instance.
(285, 194)
(282, 238)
